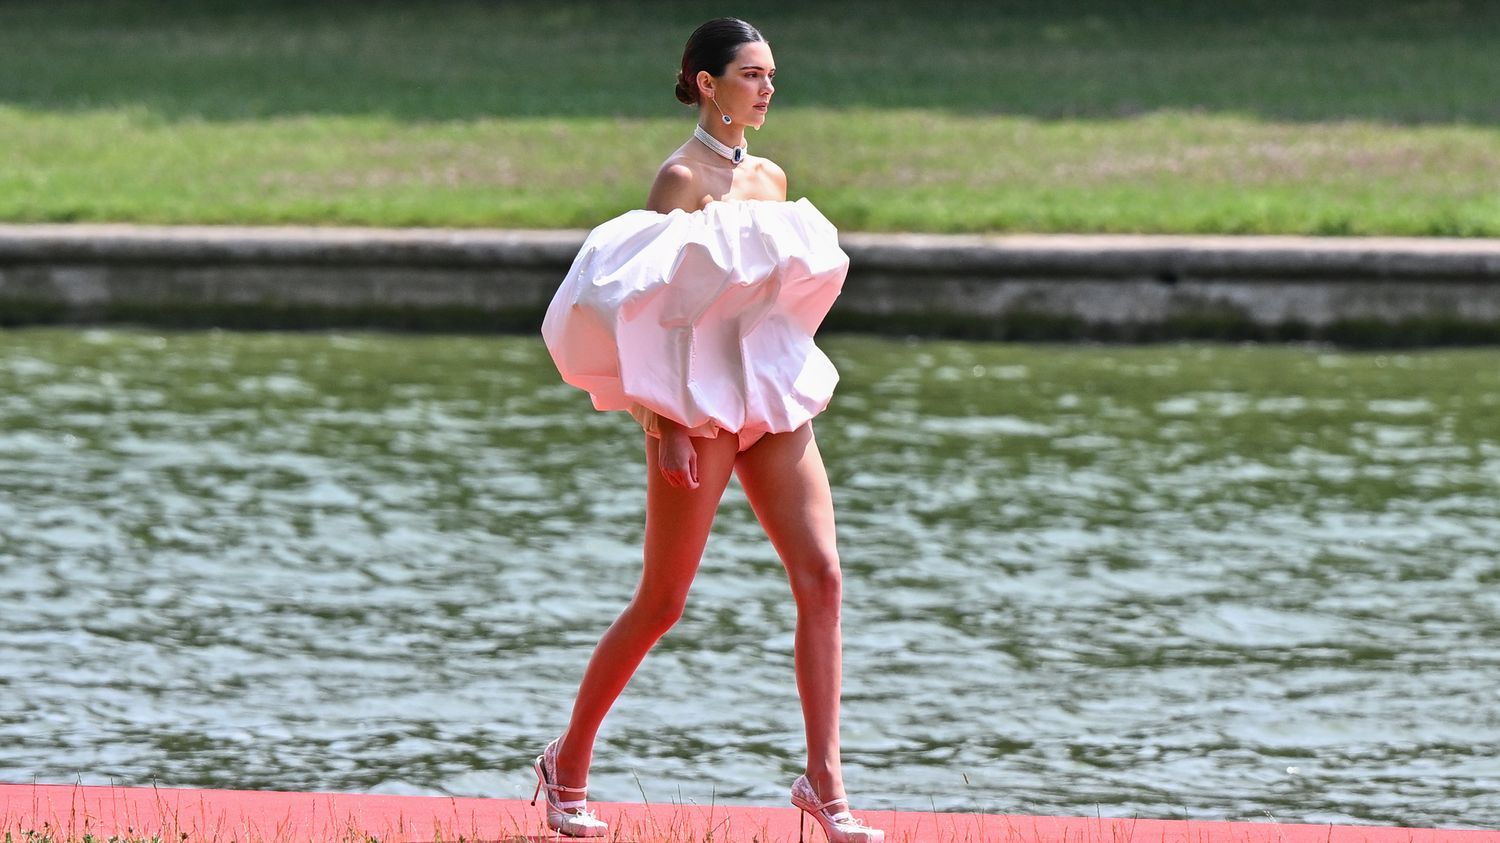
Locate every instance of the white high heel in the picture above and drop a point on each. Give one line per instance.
(560, 818)
(840, 827)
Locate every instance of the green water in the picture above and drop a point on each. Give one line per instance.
(1172, 581)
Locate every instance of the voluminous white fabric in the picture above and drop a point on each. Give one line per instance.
(703, 316)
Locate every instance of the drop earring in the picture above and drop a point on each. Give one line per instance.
(722, 115)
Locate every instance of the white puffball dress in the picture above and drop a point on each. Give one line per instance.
(704, 317)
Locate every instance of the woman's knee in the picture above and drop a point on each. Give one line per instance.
(818, 582)
(656, 613)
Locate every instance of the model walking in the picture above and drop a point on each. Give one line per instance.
(696, 315)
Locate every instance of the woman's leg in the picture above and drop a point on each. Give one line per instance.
(677, 525)
(785, 482)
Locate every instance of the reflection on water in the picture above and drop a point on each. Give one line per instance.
(1174, 581)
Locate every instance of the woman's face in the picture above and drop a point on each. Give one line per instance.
(744, 91)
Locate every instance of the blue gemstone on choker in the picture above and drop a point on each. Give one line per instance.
(736, 154)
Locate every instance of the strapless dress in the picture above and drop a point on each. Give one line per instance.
(704, 317)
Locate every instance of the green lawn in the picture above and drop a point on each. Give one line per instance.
(1261, 116)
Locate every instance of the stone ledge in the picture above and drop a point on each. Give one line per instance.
(1102, 255)
(1371, 291)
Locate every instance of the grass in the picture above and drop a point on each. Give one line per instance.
(1261, 117)
(676, 830)
(636, 832)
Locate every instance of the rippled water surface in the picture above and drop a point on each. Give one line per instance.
(1174, 581)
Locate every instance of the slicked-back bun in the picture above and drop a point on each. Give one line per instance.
(711, 47)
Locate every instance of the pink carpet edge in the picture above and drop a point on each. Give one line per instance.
(62, 813)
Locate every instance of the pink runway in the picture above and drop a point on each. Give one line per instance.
(68, 812)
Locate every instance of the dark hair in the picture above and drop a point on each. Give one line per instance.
(711, 47)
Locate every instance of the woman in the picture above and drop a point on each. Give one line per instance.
(696, 315)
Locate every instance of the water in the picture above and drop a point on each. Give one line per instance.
(1172, 581)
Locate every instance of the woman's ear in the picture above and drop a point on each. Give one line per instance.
(705, 82)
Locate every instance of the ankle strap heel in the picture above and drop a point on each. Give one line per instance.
(572, 818)
(840, 826)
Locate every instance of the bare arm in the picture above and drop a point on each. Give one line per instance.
(777, 177)
(672, 190)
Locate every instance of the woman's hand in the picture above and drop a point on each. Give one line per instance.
(678, 458)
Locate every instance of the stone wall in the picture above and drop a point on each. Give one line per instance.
(1378, 291)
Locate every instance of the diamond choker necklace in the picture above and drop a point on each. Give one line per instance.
(733, 153)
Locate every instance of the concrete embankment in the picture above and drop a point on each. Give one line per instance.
(1361, 291)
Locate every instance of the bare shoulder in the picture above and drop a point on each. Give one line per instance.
(774, 176)
(675, 187)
